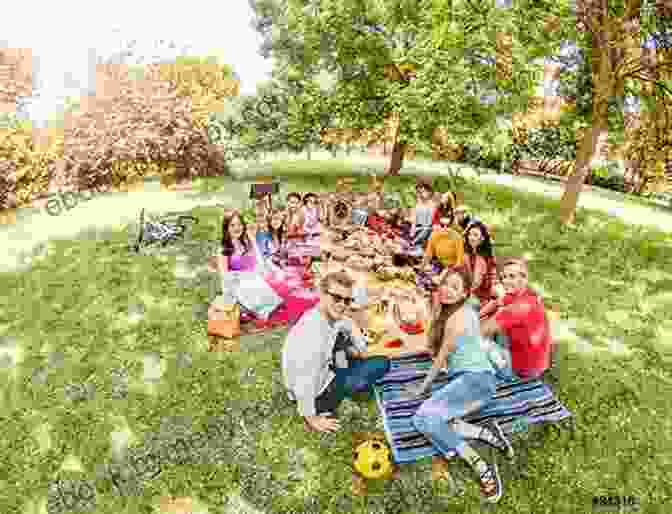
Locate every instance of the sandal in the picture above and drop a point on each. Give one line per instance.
(504, 443)
(491, 484)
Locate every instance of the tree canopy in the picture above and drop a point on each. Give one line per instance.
(139, 118)
(462, 65)
(428, 63)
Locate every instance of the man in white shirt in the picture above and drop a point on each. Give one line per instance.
(324, 359)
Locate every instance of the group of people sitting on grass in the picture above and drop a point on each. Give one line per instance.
(277, 252)
(325, 360)
(485, 326)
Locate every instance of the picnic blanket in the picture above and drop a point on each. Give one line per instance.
(517, 403)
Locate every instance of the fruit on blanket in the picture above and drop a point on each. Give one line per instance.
(373, 460)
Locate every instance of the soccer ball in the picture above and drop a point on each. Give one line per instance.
(373, 459)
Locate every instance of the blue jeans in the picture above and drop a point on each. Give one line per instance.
(358, 378)
(467, 392)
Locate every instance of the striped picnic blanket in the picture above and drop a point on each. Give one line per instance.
(517, 404)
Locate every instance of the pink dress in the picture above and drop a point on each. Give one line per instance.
(308, 245)
(289, 285)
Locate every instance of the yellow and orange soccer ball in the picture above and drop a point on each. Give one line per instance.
(373, 460)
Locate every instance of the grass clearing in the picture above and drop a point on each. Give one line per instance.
(88, 308)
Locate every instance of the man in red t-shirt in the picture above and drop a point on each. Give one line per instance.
(522, 318)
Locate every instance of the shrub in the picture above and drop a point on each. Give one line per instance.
(552, 147)
(25, 167)
(137, 121)
(609, 175)
(481, 157)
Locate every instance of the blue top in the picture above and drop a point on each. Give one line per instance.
(470, 354)
(265, 243)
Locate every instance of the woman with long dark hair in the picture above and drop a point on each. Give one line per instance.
(277, 220)
(480, 262)
(240, 254)
(446, 207)
(457, 347)
(236, 245)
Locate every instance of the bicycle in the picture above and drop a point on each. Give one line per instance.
(164, 231)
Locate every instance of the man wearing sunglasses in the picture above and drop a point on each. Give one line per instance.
(324, 359)
(521, 319)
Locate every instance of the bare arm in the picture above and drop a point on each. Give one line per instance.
(429, 253)
(454, 328)
(480, 269)
(218, 263)
(489, 328)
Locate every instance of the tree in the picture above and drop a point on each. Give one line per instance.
(398, 61)
(251, 124)
(202, 79)
(649, 144)
(16, 77)
(134, 121)
(285, 114)
(614, 31)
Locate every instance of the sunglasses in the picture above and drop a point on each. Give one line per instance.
(345, 300)
(513, 275)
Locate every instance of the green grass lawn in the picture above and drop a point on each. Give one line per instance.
(218, 425)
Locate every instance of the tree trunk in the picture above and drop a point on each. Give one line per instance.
(308, 152)
(396, 159)
(574, 185)
(604, 86)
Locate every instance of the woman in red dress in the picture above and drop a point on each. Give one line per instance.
(479, 260)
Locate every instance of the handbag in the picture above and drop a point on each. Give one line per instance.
(224, 321)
